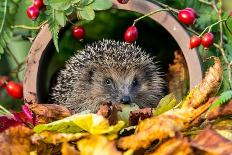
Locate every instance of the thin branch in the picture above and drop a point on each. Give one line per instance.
(4, 16)
(166, 6)
(149, 14)
(205, 2)
(30, 27)
(214, 5)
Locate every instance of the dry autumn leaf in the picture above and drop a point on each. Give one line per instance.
(16, 140)
(222, 110)
(56, 138)
(211, 142)
(178, 76)
(46, 113)
(160, 127)
(97, 145)
(173, 146)
(168, 123)
(207, 87)
(67, 149)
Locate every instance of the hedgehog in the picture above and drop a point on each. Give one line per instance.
(108, 71)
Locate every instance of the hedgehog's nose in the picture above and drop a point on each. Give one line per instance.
(126, 100)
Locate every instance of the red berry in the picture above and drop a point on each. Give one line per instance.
(14, 89)
(38, 3)
(207, 40)
(32, 12)
(123, 1)
(195, 41)
(186, 17)
(78, 32)
(193, 11)
(131, 34)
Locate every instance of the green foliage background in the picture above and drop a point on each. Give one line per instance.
(18, 41)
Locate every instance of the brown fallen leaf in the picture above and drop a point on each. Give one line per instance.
(160, 127)
(207, 87)
(97, 145)
(168, 123)
(222, 124)
(222, 110)
(211, 142)
(178, 76)
(46, 113)
(16, 140)
(67, 149)
(56, 138)
(138, 115)
(173, 146)
(109, 111)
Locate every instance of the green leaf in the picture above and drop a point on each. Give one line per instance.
(92, 123)
(102, 4)
(125, 112)
(69, 11)
(86, 13)
(1, 50)
(3, 11)
(2, 42)
(207, 17)
(165, 104)
(53, 26)
(224, 98)
(75, 1)
(59, 4)
(60, 18)
(85, 3)
(7, 35)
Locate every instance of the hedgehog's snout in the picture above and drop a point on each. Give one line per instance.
(126, 100)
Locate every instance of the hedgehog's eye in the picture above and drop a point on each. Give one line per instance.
(135, 82)
(108, 81)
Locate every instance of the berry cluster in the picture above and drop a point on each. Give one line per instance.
(14, 89)
(187, 16)
(206, 40)
(34, 10)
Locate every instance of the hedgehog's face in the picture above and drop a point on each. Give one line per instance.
(140, 85)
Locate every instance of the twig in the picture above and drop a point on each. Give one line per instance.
(166, 6)
(205, 2)
(149, 14)
(214, 5)
(4, 16)
(30, 27)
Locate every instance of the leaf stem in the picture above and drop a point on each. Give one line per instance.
(210, 26)
(166, 6)
(149, 14)
(4, 111)
(30, 27)
(205, 2)
(4, 16)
